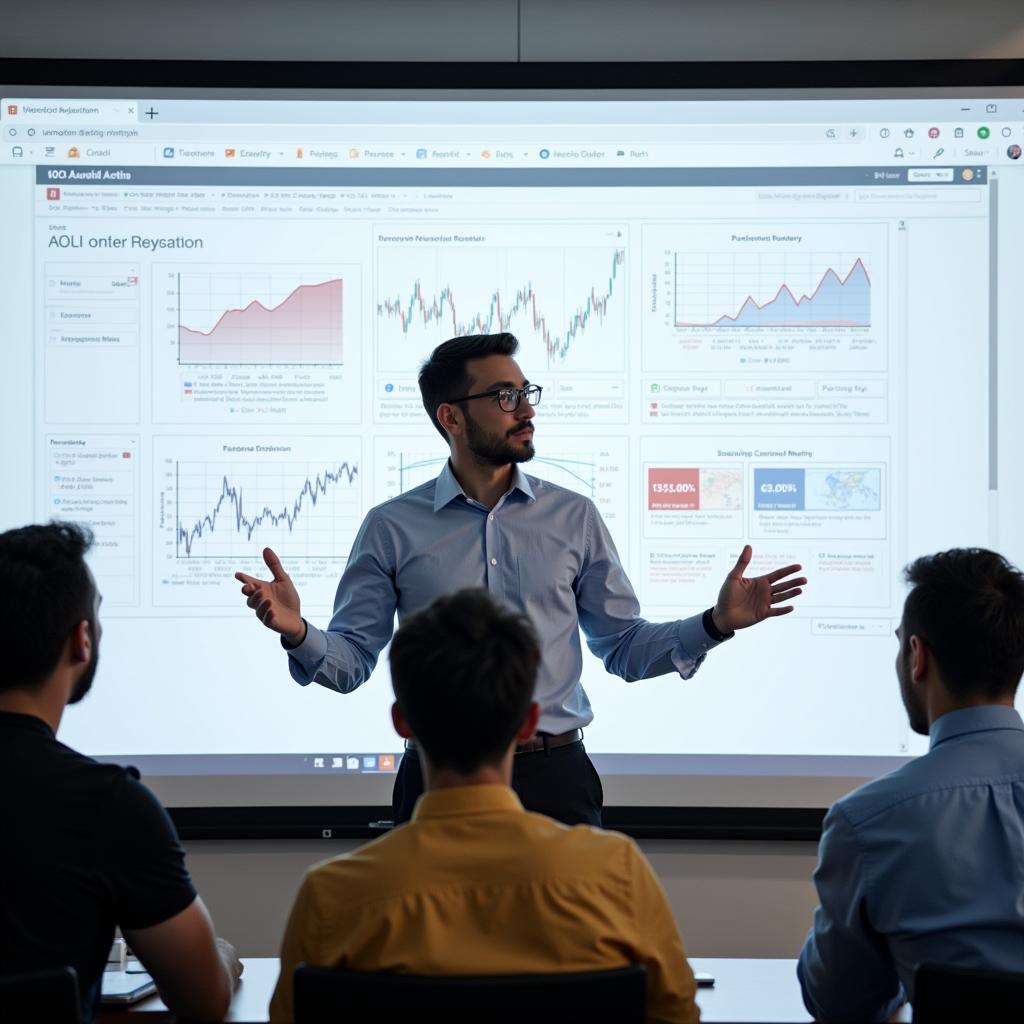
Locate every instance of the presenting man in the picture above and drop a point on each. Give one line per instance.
(474, 885)
(86, 846)
(927, 863)
(540, 547)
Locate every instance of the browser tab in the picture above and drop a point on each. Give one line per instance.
(58, 111)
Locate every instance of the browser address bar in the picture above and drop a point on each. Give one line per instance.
(834, 133)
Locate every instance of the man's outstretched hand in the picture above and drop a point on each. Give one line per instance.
(744, 601)
(276, 602)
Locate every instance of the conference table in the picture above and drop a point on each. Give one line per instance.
(746, 991)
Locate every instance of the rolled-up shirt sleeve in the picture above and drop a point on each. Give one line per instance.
(845, 970)
(609, 612)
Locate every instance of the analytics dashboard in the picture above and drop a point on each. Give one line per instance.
(790, 323)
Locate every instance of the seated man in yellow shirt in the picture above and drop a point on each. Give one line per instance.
(474, 884)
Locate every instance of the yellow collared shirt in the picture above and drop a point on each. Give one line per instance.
(476, 885)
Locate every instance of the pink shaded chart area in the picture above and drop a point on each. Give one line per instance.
(835, 302)
(306, 327)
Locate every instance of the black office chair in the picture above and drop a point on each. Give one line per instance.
(964, 994)
(50, 996)
(325, 996)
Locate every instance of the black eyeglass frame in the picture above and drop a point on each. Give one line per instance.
(520, 394)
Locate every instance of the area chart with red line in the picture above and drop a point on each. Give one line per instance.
(305, 327)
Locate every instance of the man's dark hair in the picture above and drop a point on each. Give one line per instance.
(444, 375)
(464, 671)
(967, 604)
(47, 590)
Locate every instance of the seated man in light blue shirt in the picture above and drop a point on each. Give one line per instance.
(541, 548)
(927, 863)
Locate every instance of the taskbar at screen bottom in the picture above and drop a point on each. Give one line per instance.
(377, 763)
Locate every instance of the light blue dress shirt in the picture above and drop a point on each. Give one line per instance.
(542, 549)
(924, 864)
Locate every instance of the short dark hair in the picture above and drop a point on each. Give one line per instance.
(47, 590)
(967, 604)
(464, 671)
(444, 375)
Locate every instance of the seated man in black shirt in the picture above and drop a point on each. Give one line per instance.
(85, 845)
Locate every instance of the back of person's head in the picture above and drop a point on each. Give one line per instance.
(444, 375)
(47, 590)
(464, 671)
(967, 604)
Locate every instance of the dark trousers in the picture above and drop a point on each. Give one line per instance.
(561, 783)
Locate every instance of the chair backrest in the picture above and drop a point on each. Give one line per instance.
(964, 994)
(325, 996)
(50, 995)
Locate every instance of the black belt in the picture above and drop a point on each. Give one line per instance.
(546, 740)
(542, 741)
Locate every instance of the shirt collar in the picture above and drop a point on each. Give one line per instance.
(979, 719)
(458, 801)
(520, 482)
(447, 488)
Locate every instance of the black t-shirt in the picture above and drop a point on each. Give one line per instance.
(84, 846)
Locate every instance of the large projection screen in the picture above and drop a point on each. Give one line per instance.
(784, 317)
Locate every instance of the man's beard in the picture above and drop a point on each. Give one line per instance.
(916, 711)
(495, 450)
(84, 682)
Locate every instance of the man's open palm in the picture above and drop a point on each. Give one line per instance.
(276, 602)
(744, 601)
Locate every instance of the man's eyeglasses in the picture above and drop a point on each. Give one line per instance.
(508, 398)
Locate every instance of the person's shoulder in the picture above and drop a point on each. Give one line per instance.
(581, 849)
(399, 504)
(106, 793)
(544, 491)
(370, 872)
(128, 803)
(88, 771)
(885, 794)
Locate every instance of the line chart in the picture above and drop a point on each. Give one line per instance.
(228, 509)
(595, 467)
(579, 475)
(711, 285)
(219, 500)
(230, 506)
(797, 296)
(566, 305)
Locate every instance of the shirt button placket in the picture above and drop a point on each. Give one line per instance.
(490, 555)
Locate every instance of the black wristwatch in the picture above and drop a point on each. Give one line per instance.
(707, 620)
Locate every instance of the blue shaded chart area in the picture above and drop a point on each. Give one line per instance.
(842, 298)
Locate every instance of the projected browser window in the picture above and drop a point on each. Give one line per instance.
(791, 324)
